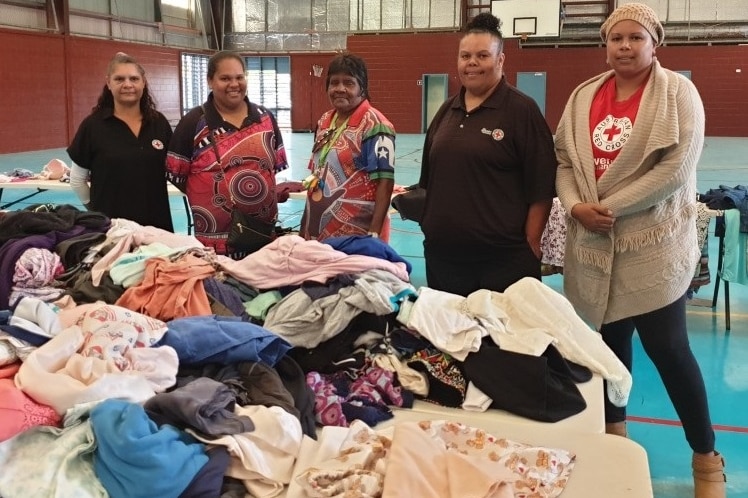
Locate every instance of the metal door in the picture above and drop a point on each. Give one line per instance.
(533, 84)
(434, 92)
(686, 73)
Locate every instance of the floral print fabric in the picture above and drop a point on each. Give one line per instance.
(462, 461)
(553, 241)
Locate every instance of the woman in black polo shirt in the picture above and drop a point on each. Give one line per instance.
(489, 170)
(121, 149)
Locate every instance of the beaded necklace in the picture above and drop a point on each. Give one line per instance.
(323, 145)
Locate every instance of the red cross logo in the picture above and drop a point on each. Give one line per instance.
(612, 132)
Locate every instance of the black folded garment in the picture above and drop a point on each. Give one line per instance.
(537, 387)
(410, 203)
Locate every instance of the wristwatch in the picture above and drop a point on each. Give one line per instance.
(374, 235)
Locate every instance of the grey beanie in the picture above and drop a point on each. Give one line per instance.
(640, 13)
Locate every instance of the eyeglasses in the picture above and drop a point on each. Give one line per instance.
(323, 140)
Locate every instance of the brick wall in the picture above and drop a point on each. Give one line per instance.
(32, 92)
(396, 62)
(308, 91)
(51, 82)
(87, 61)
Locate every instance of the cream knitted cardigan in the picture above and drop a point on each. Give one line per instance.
(647, 261)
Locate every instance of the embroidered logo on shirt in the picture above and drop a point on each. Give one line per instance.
(497, 134)
(611, 133)
(157, 144)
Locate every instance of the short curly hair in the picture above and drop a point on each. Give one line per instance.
(352, 65)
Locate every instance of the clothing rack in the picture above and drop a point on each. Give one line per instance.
(720, 214)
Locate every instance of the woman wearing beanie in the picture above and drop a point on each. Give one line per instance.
(627, 146)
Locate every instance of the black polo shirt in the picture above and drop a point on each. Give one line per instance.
(482, 170)
(128, 173)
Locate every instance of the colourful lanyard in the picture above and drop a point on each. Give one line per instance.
(328, 145)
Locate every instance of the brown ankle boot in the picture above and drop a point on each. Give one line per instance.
(616, 428)
(708, 475)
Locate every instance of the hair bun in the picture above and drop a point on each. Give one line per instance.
(484, 21)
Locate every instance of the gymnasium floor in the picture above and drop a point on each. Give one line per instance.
(723, 355)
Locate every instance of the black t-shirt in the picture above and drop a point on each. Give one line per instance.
(128, 175)
(482, 170)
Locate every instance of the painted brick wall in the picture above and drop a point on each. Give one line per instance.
(396, 62)
(87, 61)
(308, 93)
(32, 92)
(51, 82)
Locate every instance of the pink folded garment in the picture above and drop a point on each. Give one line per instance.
(54, 170)
(18, 412)
(9, 371)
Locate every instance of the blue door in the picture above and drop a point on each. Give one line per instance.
(434, 93)
(533, 84)
(686, 73)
